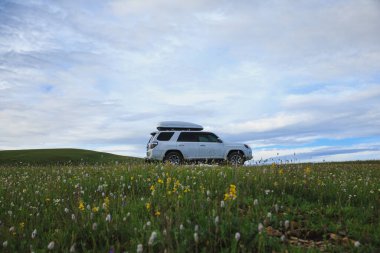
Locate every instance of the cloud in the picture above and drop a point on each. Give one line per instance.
(102, 74)
(317, 153)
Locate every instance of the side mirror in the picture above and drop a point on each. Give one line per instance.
(219, 140)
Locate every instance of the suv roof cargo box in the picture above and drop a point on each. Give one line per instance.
(178, 126)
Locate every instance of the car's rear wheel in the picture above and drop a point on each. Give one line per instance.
(236, 158)
(173, 157)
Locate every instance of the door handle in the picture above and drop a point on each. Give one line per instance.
(181, 145)
(202, 145)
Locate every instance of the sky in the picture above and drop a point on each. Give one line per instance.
(296, 80)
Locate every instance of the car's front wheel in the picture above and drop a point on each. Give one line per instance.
(173, 157)
(236, 158)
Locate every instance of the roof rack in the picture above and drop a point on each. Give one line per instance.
(178, 126)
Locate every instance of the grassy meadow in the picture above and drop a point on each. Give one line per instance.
(63, 156)
(135, 207)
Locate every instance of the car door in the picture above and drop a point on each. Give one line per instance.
(188, 144)
(210, 146)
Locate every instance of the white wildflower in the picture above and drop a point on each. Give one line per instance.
(260, 227)
(269, 215)
(196, 238)
(108, 218)
(237, 236)
(181, 227)
(287, 223)
(94, 226)
(34, 233)
(148, 223)
(222, 205)
(196, 228)
(357, 244)
(51, 245)
(72, 248)
(73, 216)
(152, 238)
(139, 248)
(255, 202)
(283, 238)
(66, 210)
(5, 244)
(11, 229)
(216, 220)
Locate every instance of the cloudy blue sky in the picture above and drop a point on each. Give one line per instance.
(294, 79)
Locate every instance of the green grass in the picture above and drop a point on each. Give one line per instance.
(59, 156)
(330, 206)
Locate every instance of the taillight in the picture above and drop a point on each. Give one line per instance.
(153, 144)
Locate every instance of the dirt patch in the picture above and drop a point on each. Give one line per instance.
(305, 238)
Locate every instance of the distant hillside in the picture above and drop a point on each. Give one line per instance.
(60, 156)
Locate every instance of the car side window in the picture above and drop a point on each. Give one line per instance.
(212, 137)
(187, 137)
(203, 138)
(165, 136)
(207, 137)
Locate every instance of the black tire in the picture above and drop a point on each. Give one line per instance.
(236, 158)
(174, 158)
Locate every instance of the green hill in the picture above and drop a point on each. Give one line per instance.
(60, 156)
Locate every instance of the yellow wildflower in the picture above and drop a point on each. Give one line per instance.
(147, 205)
(176, 184)
(152, 188)
(231, 195)
(95, 209)
(160, 181)
(281, 171)
(22, 225)
(157, 213)
(307, 170)
(81, 205)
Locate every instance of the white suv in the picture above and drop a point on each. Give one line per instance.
(176, 142)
